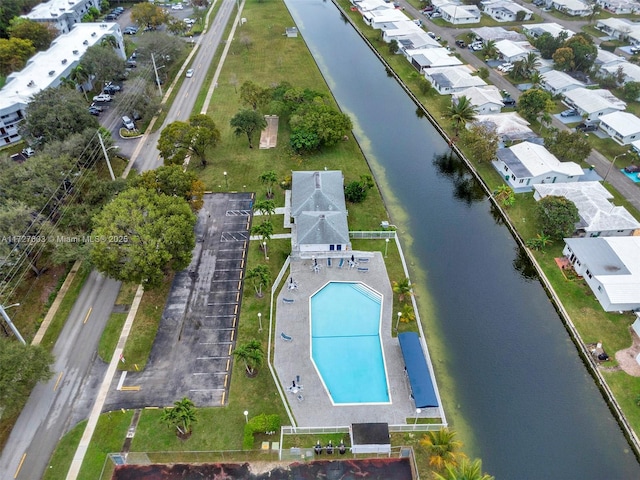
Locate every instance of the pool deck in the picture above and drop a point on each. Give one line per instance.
(292, 358)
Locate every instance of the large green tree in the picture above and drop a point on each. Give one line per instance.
(465, 470)
(14, 54)
(547, 44)
(180, 139)
(557, 216)
(205, 136)
(442, 447)
(317, 124)
(460, 112)
(141, 236)
(534, 103)
(482, 140)
(584, 51)
(568, 146)
(172, 180)
(103, 63)
(248, 122)
(149, 15)
(40, 34)
(21, 367)
(55, 114)
(254, 96)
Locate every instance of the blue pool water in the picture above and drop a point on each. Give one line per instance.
(345, 343)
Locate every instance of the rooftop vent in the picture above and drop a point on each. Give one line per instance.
(64, 61)
(93, 34)
(31, 84)
(52, 73)
(76, 52)
(86, 42)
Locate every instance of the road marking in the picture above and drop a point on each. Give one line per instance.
(235, 310)
(123, 376)
(24, 455)
(229, 353)
(226, 377)
(131, 389)
(223, 395)
(234, 322)
(55, 387)
(87, 316)
(233, 332)
(228, 363)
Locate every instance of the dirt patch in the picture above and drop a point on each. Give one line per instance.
(627, 358)
(396, 469)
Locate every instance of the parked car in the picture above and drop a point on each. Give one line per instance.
(461, 44)
(111, 88)
(131, 64)
(94, 111)
(28, 152)
(569, 113)
(177, 6)
(508, 101)
(103, 97)
(505, 67)
(476, 46)
(586, 127)
(632, 169)
(189, 73)
(635, 50)
(96, 107)
(130, 30)
(128, 123)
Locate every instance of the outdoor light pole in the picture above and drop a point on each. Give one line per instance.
(386, 247)
(398, 321)
(226, 181)
(418, 412)
(611, 166)
(264, 245)
(260, 321)
(246, 416)
(4, 315)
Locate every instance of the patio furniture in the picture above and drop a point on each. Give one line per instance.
(286, 337)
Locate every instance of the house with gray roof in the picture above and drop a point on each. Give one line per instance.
(598, 216)
(449, 80)
(593, 104)
(525, 164)
(556, 82)
(318, 211)
(611, 268)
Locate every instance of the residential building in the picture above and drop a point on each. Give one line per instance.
(630, 71)
(460, 14)
(623, 127)
(556, 82)
(611, 268)
(318, 211)
(598, 216)
(620, 7)
(621, 28)
(378, 18)
(431, 58)
(607, 59)
(486, 100)
(593, 104)
(513, 51)
(498, 33)
(554, 29)
(46, 69)
(525, 164)
(63, 14)
(505, 11)
(417, 40)
(396, 30)
(372, 5)
(449, 80)
(574, 8)
(509, 126)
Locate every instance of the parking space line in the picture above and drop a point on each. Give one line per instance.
(235, 319)
(228, 363)
(233, 333)
(230, 345)
(206, 389)
(226, 378)
(224, 392)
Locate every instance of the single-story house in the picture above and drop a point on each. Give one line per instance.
(574, 8)
(372, 5)
(318, 212)
(598, 216)
(498, 33)
(377, 19)
(505, 10)
(623, 127)
(620, 7)
(611, 268)
(552, 28)
(431, 58)
(544, 65)
(513, 51)
(631, 71)
(606, 59)
(395, 30)
(525, 164)
(593, 104)
(485, 99)
(556, 82)
(415, 41)
(460, 14)
(509, 126)
(450, 80)
(618, 27)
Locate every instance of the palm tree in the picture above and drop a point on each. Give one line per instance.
(536, 79)
(80, 76)
(269, 179)
(442, 448)
(467, 470)
(260, 276)
(252, 355)
(489, 49)
(181, 416)
(263, 230)
(403, 288)
(460, 112)
(265, 207)
(110, 41)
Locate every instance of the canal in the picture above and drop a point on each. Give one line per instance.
(512, 380)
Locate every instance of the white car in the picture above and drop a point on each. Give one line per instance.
(189, 73)
(177, 6)
(506, 67)
(103, 97)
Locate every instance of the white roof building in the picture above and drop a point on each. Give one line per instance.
(431, 58)
(505, 10)
(508, 126)
(623, 127)
(619, 7)
(45, 69)
(486, 100)
(593, 104)
(498, 33)
(63, 14)
(631, 71)
(574, 8)
(371, 5)
(513, 51)
(611, 268)
(606, 59)
(449, 80)
(416, 40)
(557, 82)
(460, 14)
(377, 18)
(526, 164)
(598, 216)
(618, 27)
(554, 29)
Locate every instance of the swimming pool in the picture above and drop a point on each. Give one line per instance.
(345, 343)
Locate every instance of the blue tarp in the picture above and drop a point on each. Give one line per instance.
(422, 389)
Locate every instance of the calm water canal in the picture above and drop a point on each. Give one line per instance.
(516, 381)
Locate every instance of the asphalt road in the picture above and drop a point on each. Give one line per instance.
(55, 406)
(46, 415)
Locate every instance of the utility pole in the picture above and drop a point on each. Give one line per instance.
(10, 323)
(106, 157)
(155, 70)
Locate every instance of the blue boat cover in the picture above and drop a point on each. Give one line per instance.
(420, 380)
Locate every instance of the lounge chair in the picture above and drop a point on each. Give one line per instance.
(341, 263)
(285, 337)
(363, 260)
(287, 300)
(328, 262)
(363, 269)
